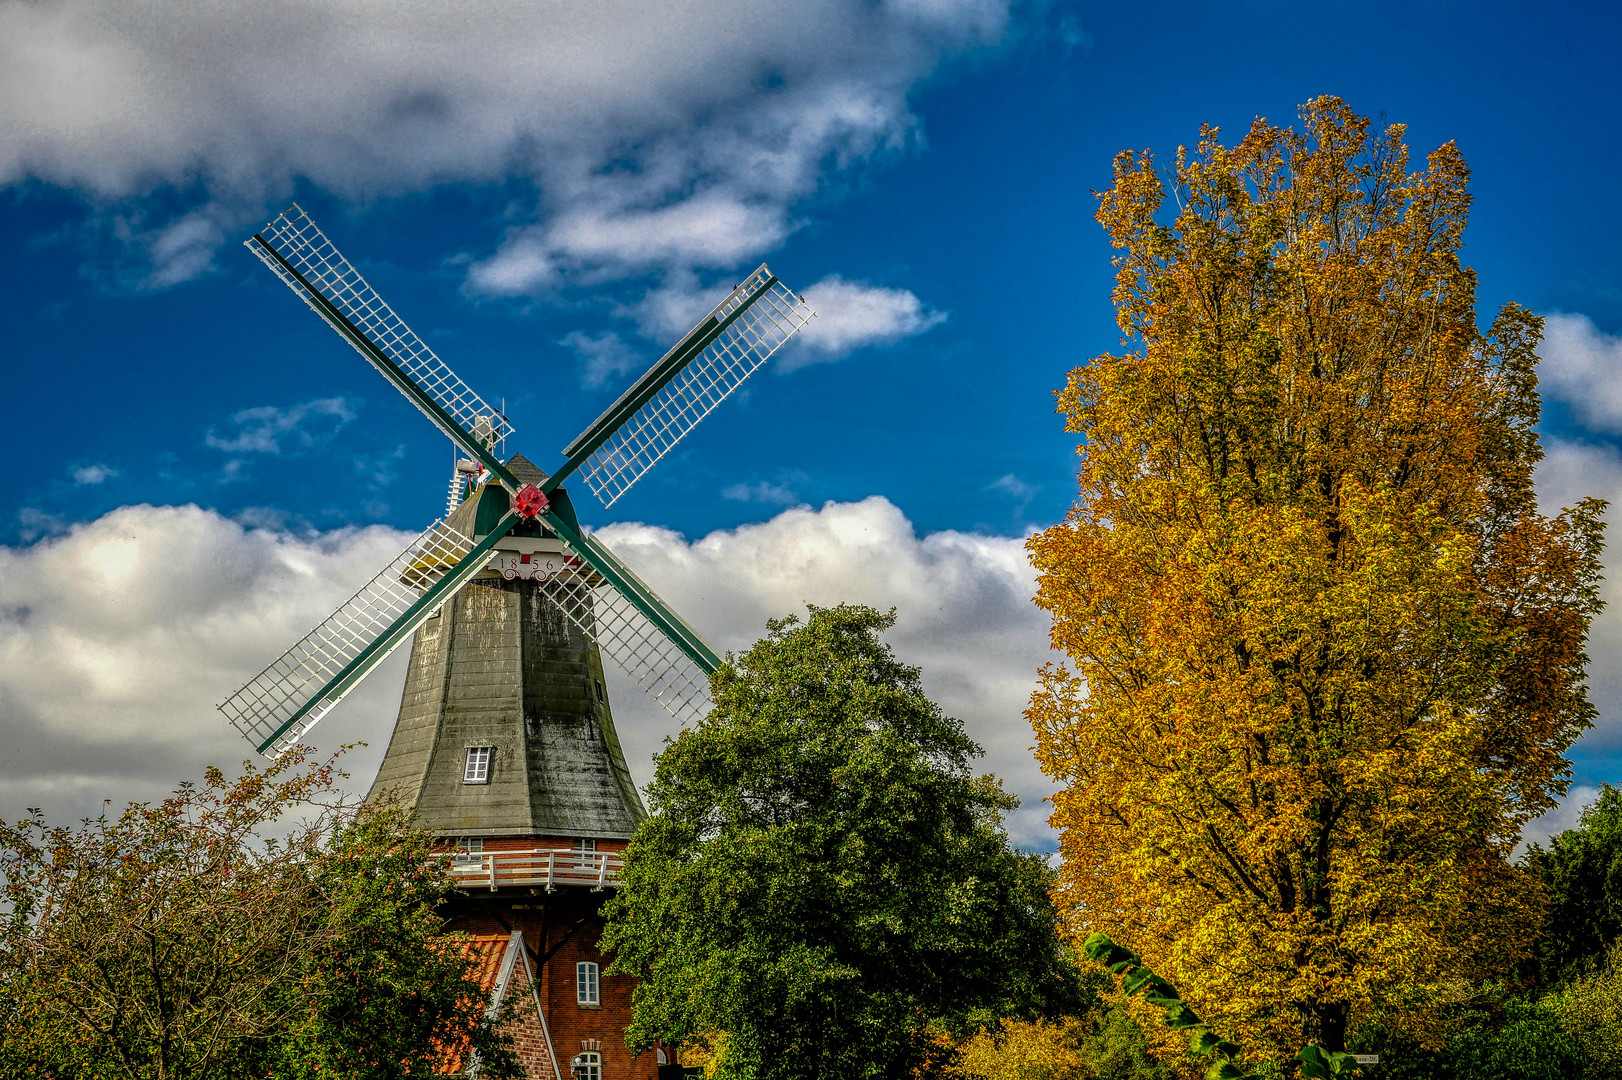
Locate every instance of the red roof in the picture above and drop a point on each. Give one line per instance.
(484, 953)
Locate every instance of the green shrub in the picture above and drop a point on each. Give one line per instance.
(1528, 1039)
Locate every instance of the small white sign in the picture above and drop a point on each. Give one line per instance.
(1366, 1059)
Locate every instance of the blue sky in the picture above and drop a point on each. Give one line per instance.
(548, 199)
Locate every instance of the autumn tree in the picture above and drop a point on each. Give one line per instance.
(1325, 654)
(824, 885)
(244, 927)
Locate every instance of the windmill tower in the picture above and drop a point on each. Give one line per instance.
(505, 745)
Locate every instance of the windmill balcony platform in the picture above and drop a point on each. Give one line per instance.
(543, 868)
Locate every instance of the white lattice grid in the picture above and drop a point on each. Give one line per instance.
(297, 239)
(653, 430)
(631, 641)
(276, 694)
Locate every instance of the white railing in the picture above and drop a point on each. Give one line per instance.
(545, 868)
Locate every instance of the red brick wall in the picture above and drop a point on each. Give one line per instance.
(546, 919)
(528, 1039)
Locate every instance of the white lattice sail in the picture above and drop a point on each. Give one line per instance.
(629, 639)
(306, 248)
(291, 696)
(770, 315)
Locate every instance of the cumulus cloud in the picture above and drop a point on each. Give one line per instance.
(1582, 366)
(267, 429)
(605, 355)
(762, 491)
(1016, 489)
(657, 135)
(117, 638)
(1568, 815)
(963, 603)
(851, 314)
(1570, 471)
(90, 475)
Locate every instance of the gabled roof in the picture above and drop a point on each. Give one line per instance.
(526, 470)
(484, 953)
(493, 960)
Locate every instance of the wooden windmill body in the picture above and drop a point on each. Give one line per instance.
(505, 748)
(505, 744)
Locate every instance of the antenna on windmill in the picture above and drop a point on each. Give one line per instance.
(605, 602)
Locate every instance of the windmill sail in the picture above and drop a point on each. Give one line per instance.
(683, 388)
(302, 256)
(292, 695)
(656, 660)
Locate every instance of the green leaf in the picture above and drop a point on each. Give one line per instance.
(1343, 1064)
(1120, 960)
(1314, 1063)
(1097, 947)
(1203, 1042)
(1181, 1017)
(1145, 979)
(1224, 1070)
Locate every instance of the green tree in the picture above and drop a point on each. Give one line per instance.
(246, 927)
(1581, 870)
(823, 879)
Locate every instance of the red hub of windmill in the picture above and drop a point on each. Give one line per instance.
(530, 501)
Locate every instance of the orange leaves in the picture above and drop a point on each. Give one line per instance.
(1325, 654)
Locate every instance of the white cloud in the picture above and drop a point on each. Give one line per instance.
(1582, 366)
(1570, 471)
(851, 314)
(266, 429)
(1567, 815)
(763, 491)
(1016, 489)
(118, 638)
(605, 354)
(963, 602)
(675, 306)
(658, 135)
(90, 475)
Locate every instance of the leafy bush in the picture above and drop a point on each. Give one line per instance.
(1581, 871)
(1591, 1011)
(1524, 1039)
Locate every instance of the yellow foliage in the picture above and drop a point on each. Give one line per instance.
(1025, 1051)
(1591, 1010)
(705, 1052)
(1325, 653)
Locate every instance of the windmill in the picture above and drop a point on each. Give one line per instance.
(525, 523)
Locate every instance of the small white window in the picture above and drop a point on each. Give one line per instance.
(469, 851)
(585, 984)
(590, 1064)
(477, 768)
(585, 854)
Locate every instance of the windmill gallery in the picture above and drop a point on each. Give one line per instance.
(505, 745)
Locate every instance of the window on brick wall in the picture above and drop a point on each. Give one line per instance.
(590, 1063)
(469, 851)
(585, 854)
(586, 989)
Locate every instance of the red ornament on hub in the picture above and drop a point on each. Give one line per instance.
(530, 501)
